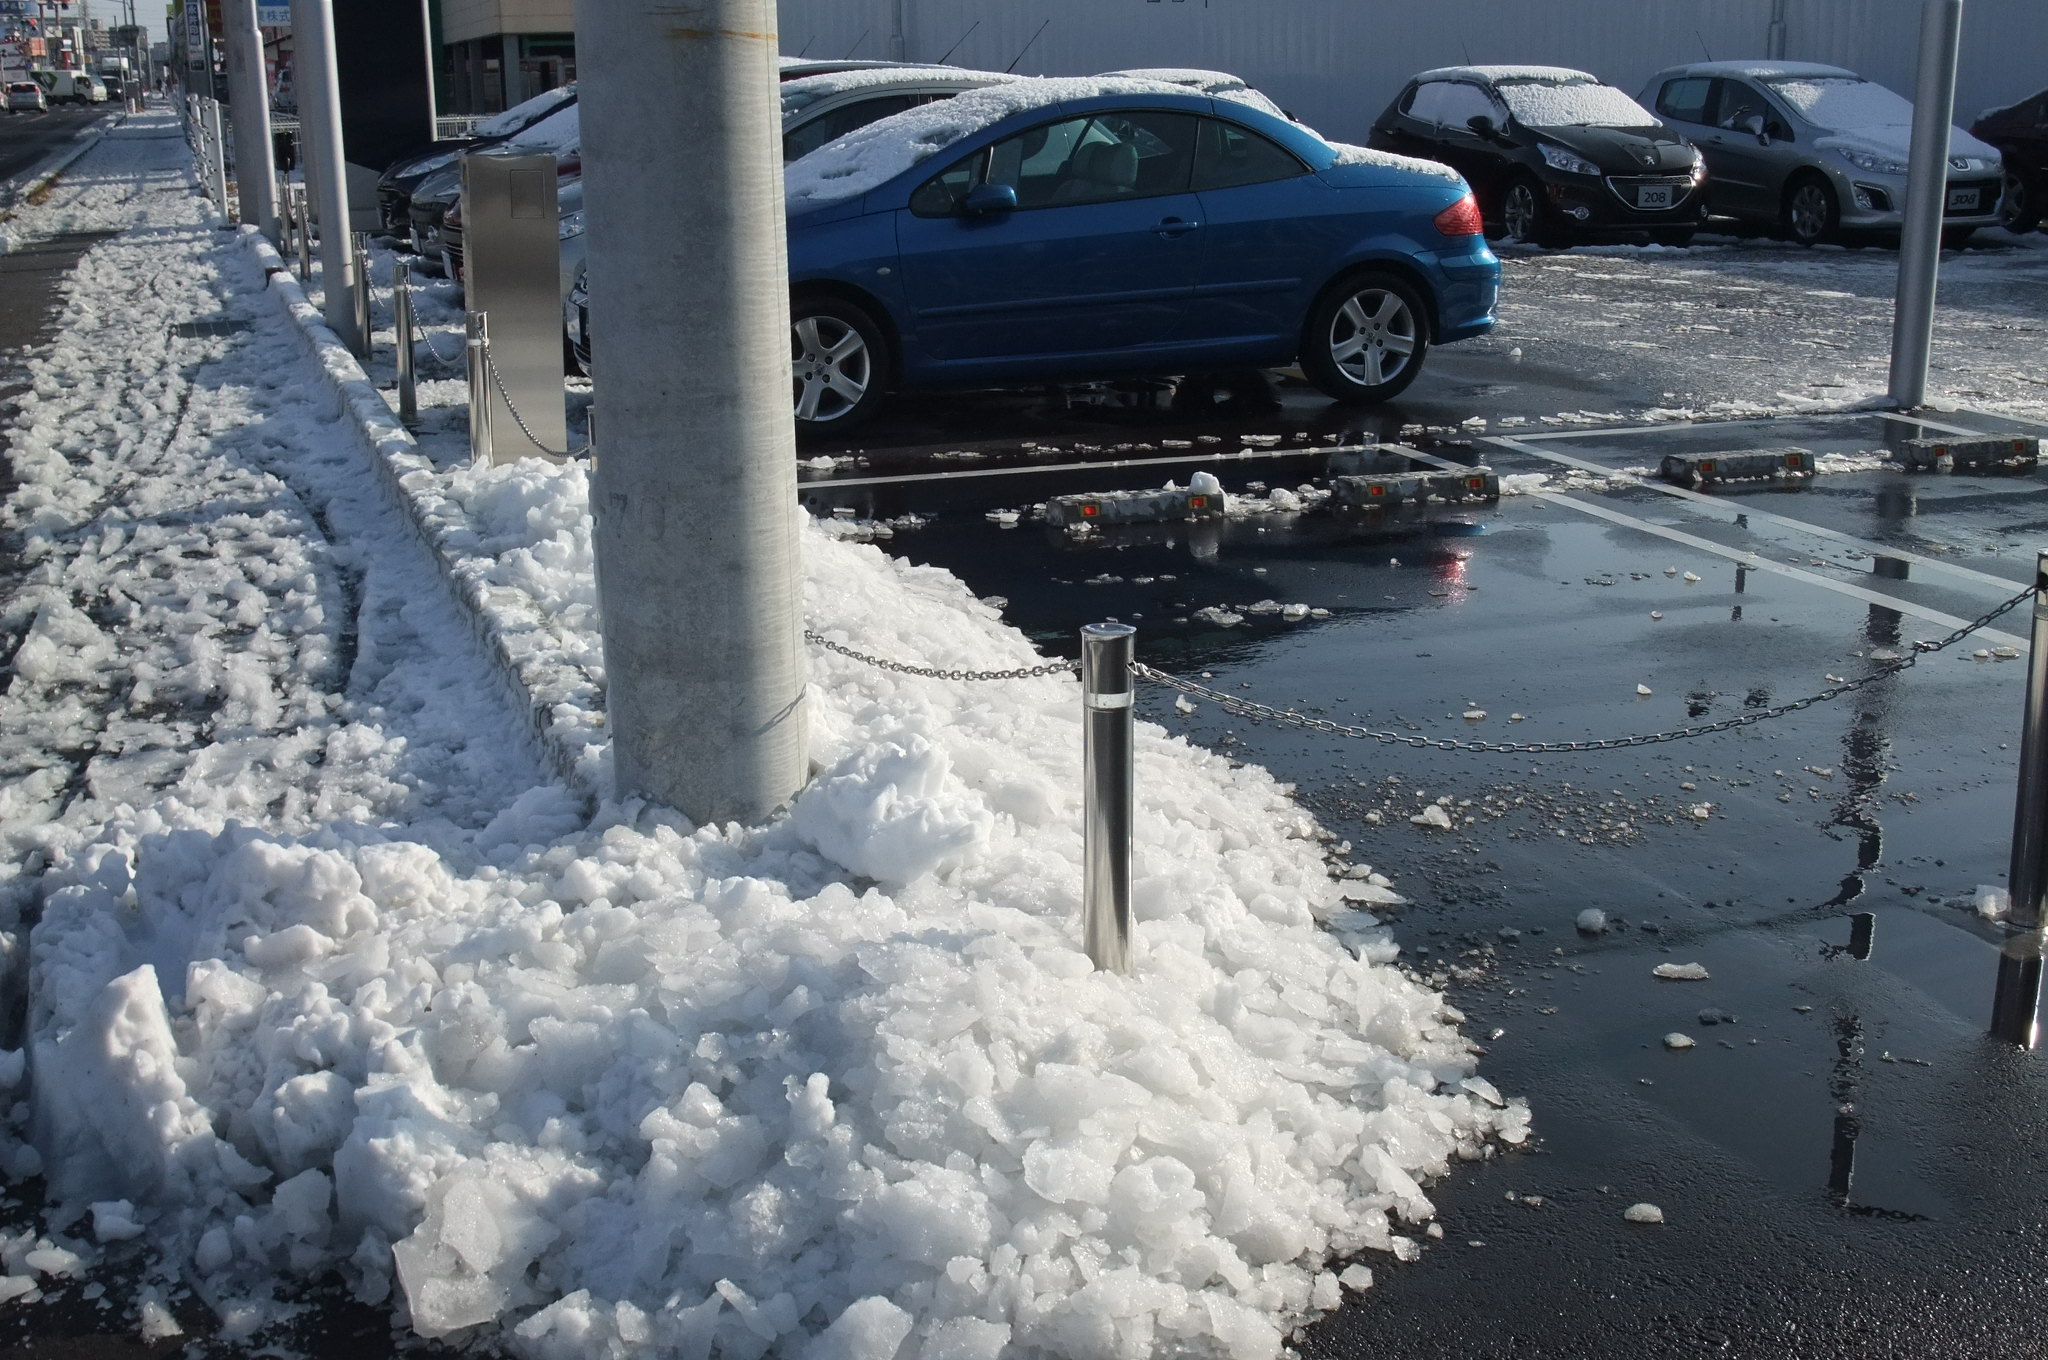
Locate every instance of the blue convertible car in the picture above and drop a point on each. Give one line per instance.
(1049, 231)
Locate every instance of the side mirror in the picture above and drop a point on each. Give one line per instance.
(1753, 124)
(1483, 127)
(986, 200)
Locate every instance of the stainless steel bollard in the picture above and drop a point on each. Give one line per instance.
(1107, 810)
(359, 247)
(401, 309)
(479, 391)
(302, 211)
(2016, 1006)
(216, 154)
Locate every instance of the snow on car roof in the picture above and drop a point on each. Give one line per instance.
(807, 90)
(1509, 73)
(522, 114)
(559, 132)
(882, 150)
(1760, 69)
(1221, 84)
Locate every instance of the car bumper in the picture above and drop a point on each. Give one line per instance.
(1613, 205)
(1467, 288)
(1871, 202)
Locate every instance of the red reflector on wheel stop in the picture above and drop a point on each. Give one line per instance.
(1376, 490)
(1475, 483)
(1461, 218)
(1197, 502)
(1090, 511)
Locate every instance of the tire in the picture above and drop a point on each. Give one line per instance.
(841, 362)
(1523, 217)
(2019, 209)
(1365, 338)
(1811, 213)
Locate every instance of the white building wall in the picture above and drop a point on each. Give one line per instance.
(1336, 63)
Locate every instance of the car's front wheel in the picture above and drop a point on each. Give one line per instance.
(840, 358)
(2019, 208)
(1523, 214)
(1811, 213)
(1365, 339)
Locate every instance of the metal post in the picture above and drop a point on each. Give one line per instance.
(479, 335)
(255, 164)
(1106, 816)
(2015, 1007)
(217, 160)
(1774, 38)
(327, 169)
(359, 252)
(401, 307)
(703, 630)
(1934, 99)
(302, 209)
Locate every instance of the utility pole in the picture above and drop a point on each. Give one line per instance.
(249, 96)
(694, 490)
(1934, 104)
(327, 164)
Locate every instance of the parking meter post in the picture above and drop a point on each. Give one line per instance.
(1934, 99)
(327, 168)
(255, 162)
(401, 307)
(2016, 1006)
(479, 335)
(698, 540)
(1107, 715)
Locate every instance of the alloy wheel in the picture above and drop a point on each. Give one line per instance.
(2015, 212)
(831, 367)
(1372, 337)
(1519, 213)
(1808, 211)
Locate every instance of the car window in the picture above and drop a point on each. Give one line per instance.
(830, 127)
(1451, 104)
(1229, 156)
(1131, 154)
(1687, 99)
(1739, 101)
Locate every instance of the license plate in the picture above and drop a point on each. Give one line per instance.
(1962, 200)
(1657, 197)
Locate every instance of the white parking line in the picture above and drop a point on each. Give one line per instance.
(968, 474)
(1594, 432)
(1749, 560)
(1941, 425)
(1731, 511)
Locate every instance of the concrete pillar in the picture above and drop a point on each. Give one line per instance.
(326, 163)
(249, 95)
(695, 488)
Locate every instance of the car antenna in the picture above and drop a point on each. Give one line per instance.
(1703, 44)
(1026, 48)
(858, 41)
(1467, 48)
(963, 38)
(807, 45)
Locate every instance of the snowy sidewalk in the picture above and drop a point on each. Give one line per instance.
(325, 973)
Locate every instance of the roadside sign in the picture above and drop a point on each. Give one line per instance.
(273, 16)
(195, 34)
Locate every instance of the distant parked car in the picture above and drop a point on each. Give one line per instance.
(25, 96)
(1088, 230)
(1553, 155)
(1219, 83)
(2020, 134)
(395, 187)
(1815, 151)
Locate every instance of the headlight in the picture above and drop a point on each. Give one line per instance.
(1699, 167)
(1876, 165)
(1557, 158)
(571, 225)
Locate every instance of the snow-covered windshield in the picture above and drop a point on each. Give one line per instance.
(557, 134)
(526, 114)
(1842, 103)
(1577, 103)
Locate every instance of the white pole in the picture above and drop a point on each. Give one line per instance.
(696, 532)
(327, 166)
(255, 167)
(1934, 102)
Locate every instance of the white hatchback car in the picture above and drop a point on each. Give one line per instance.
(25, 96)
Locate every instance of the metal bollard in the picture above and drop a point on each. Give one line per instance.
(479, 331)
(1107, 813)
(359, 247)
(216, 155)
(401, 308)
(302, 210)
(2016, 1006)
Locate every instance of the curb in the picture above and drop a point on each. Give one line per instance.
(40, 179)
(530, 680)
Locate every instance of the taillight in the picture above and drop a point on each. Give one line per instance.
(1461, 218)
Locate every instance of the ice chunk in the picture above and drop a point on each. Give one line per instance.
(113, 1220)
(1678, 1042)
(1681, 972)
(1183, 704)
(1485, 1090)
(1433, 816)
(870, 1329)
(1643, 689)
(893, 812)
(1992, 902)
(1643, 1213)
(1592, 920)
(1356, 1277)
(1691, 578)
(1205, 484)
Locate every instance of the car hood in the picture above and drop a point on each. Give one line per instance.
(1624, 151)
(1895, 142)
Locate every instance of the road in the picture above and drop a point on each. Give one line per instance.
(28, 139)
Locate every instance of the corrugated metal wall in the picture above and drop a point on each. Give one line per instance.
(1336, 63)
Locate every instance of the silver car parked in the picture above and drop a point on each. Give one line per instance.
(1815, 151)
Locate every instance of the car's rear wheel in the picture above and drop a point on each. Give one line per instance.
(1523, 215)
(1811, 213)
(2019, 209)
(840, 360)
(1365, 339)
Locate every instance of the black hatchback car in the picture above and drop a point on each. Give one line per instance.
(1552, 154)
(2020, 132)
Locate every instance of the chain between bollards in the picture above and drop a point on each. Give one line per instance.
(401, 310)
(1107, 714)
(2016, 1005)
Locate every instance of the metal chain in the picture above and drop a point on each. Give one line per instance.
(1231, 703)
(519, 420)
(1024, 673)
(447, 361)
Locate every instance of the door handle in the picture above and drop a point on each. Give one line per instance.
(1175, 226)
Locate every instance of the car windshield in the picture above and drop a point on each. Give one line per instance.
(525, 115)
(1572, 103)
(1843, 103)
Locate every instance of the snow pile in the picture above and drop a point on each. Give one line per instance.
(1347, 154)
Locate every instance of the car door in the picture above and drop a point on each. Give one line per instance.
(1267, 236)
(1097, 260)
(1439, 121)
(1745, 173)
